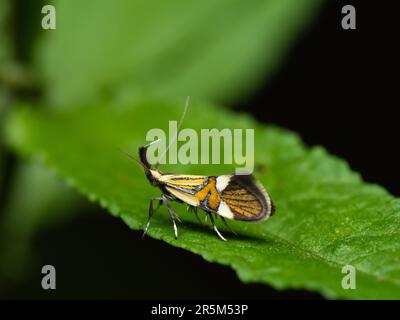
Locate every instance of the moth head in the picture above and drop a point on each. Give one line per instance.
(152, 174)
(143, 157)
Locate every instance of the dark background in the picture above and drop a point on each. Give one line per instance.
(340, 89)
(337, 89)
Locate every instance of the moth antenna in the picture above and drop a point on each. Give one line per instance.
(132, 157)
(179, 128)
(153, 142)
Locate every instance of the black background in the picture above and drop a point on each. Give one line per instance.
(337, 89)
(340, 89)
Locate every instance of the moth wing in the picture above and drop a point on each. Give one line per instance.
(184, 187)
(187, 181)
(183, 196)
(245, 198)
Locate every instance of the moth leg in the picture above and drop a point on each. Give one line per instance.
(191, 209)
(160, 202)
(172, 214)
(151, 211)
(215, 227)
(227, 226)
(197, 215)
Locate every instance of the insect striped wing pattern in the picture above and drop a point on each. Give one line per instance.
(238, 197)
(184, 187)
(245, 198)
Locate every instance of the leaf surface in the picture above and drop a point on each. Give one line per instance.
(326, 217)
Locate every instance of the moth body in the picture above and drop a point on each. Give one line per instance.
(235, 197)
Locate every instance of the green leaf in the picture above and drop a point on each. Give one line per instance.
(123, 49)
(326, 217)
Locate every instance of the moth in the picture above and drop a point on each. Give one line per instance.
(235, 197)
